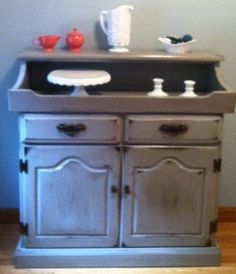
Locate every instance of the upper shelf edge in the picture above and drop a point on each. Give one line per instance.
(87, 55)
(28, 101)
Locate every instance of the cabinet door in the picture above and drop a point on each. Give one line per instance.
(71, 196)
(166, 199)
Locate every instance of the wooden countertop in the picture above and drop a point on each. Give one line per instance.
(88, 55)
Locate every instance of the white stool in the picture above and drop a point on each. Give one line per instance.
(79, 79)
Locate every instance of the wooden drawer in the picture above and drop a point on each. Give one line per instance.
(94, 129)
(150, 129)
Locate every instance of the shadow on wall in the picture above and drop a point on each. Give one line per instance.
(8, 144)
(100, 37)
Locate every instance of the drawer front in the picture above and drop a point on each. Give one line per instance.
(94, 129)
(150, 129)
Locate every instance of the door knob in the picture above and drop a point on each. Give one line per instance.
(114, 189)
(127, 189)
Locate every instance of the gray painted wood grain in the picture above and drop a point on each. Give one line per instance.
(28, 101)
(140, 129)
(168, 203)
(103, 55)
(68, 198)
(116, 257)
(96, 129)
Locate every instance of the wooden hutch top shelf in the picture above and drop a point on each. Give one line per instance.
(61, 55)
(132, 76)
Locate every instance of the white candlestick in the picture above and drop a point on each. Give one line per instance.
(158, 89)
(189, 88)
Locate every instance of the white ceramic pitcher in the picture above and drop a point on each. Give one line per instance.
(116, 25)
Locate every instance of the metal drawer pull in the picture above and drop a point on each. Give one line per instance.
(173, 129)
(71, 129)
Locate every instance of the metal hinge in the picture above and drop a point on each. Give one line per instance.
(217, 165)
(24, 229)
(213, 226)
(23, 166)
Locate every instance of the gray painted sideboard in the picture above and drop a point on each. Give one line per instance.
(118, 178)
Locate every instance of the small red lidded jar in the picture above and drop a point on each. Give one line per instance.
(74, 40)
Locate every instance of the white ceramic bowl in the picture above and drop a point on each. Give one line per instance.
(179, 48)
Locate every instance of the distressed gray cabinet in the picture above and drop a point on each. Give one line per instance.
(170, 179)
(70, 190)
(118, 178)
